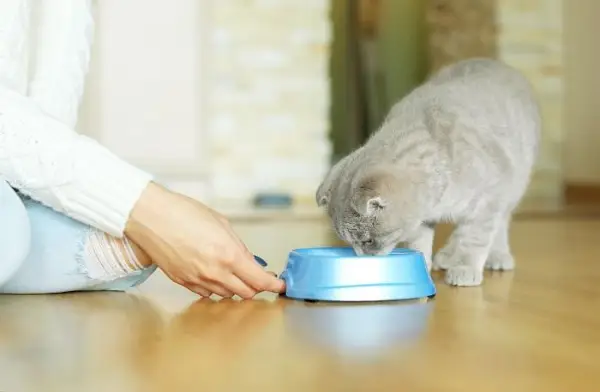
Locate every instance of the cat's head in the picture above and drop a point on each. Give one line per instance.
(376, 208)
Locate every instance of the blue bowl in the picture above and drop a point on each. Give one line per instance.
(338, 274)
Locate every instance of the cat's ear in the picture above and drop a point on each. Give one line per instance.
(322, 196)
(372, 194)
(367, 203)
(374, 205)
(322, 200)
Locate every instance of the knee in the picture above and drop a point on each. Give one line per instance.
(15, 232)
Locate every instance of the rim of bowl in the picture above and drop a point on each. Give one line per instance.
(332, 255)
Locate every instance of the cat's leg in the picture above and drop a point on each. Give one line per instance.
(423, 242)
(474, 239)
(500, 257)
(444, 258)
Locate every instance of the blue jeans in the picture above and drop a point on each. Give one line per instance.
(42, 251)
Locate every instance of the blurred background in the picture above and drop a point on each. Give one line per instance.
(225, 99)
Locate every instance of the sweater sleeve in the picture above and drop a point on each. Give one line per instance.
(69, 172)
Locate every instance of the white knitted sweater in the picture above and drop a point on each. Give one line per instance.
(44, 55)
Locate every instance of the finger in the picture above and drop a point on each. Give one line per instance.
(260, 261)
(234, 284)
(255, 276)
(215, 288)
(173, 278)
(227, 225)
(237, 239)
(201, 291)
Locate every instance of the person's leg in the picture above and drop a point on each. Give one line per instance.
(15, 232)
(66, 255)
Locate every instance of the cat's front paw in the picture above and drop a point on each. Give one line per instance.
(464, 275)
(500, 262)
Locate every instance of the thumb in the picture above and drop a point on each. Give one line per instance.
(277, 285)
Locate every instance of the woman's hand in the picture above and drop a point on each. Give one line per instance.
(196, 246)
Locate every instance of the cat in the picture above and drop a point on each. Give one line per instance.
(460, 148)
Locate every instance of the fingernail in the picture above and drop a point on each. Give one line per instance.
(260, 261)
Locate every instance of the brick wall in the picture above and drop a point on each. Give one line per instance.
(530, 38)
(460, 29)
(269, 97)
(526, 34)
(269, 100)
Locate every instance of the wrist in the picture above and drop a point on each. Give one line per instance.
(146, 212)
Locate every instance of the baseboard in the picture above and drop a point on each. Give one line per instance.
(582, 194)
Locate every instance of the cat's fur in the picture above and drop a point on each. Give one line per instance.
(460, 148)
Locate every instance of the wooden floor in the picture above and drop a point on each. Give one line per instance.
(537, 329)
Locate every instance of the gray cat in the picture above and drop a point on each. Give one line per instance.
(460, 148)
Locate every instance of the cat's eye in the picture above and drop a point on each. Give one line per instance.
(368, 242)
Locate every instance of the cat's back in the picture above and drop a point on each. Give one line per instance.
(474, 111)
(488, 96)
(475, 82)
(481, 95)
(481, 87)
(475, 69)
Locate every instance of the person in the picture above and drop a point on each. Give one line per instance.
(73, 215)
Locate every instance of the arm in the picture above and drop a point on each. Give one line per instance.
(194, 245)
(69, 172)
(44, 158)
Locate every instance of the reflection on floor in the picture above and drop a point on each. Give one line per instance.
(534, 329)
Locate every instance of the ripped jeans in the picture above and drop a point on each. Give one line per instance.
(43, 251)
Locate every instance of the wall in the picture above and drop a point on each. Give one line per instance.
(460, 29)
(145, 91)
(530, 38)
(270, 97)
(527, 34)
(403, 48)
(582, 61)
(346, 133)
(220, 99)
(394, 36)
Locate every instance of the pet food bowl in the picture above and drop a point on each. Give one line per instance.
(338, 274)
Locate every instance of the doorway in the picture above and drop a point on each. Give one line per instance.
(379, 54)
